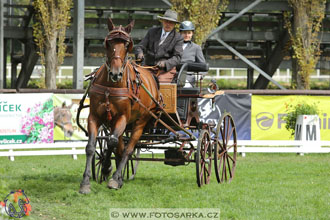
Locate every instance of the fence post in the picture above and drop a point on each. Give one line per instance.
(74, 156)
(11, 157)
(243, 151)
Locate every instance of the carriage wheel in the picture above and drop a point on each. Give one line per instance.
(203, 157)
(129, 171)
(225, 149)
(98, 160)
(131, 166)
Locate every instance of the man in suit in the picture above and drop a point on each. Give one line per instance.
(192, 53)
(162, 47)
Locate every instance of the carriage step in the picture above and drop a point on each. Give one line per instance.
(174, 157)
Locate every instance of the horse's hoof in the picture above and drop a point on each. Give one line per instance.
(113, 141)
(113, 184)
(85, 189)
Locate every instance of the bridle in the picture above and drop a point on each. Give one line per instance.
(58, 116)
(117, 33)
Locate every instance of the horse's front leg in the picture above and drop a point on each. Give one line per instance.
(116, 181)
(90, 150)
(117, 130)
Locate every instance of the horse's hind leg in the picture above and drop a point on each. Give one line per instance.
(90, 150)
(116, 181)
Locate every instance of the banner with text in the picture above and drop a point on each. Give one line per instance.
(26, 118)
(239, 106)
(268, 111)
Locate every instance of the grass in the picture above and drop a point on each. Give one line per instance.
(266, 186)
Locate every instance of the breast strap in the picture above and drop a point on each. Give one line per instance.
(111, 91)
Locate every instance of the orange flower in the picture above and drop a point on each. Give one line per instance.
(2, 204)
(15, 197)
(27, 209)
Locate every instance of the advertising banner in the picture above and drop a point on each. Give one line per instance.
(65, 111)
(238, 105)
(267, 121)
(26, 118)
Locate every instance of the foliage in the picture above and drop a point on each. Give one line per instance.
(205, 14)
(293, 110)
(38, 124)
(304, 32)
(52, 19)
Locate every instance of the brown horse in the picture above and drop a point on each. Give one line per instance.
(63, 119)
(116, 100)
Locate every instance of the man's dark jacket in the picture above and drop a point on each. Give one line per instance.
(170, 50)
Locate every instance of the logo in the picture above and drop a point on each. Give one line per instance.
(265, 120)
(209, 112)
(17, 204)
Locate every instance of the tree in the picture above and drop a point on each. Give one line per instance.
(52, 19)
(304, 32)
(205, 14)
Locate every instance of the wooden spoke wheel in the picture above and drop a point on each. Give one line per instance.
(130, 169)
(131, 166)
(225, 149)
(203, 158)
(99, 162)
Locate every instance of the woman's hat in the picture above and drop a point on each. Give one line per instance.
(170, 15)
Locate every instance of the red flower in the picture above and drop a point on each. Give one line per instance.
(2, 204)
(27, 209)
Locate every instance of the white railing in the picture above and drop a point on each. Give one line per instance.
(282, 146)
(279, 75)
(74, 148)
(244, 146)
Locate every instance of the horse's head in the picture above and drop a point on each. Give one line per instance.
(62, 118)
(117, 43)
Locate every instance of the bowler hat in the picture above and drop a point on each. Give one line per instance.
(170, 15)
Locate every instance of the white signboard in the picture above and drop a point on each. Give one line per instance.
(26, 118)
(307, 128)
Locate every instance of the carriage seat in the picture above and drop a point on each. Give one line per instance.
(198, 67)
(184, 68)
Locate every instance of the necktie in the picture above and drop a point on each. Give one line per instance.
(162, 38)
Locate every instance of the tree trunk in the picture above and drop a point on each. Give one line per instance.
(50, 63)
(300, 22)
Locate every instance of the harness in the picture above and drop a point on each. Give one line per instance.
(109, 92)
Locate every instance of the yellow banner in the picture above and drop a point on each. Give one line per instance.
(267, 114)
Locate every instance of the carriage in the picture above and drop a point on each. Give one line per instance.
(175, 129)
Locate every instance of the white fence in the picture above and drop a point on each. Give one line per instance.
(279, 75)
(244, 146)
